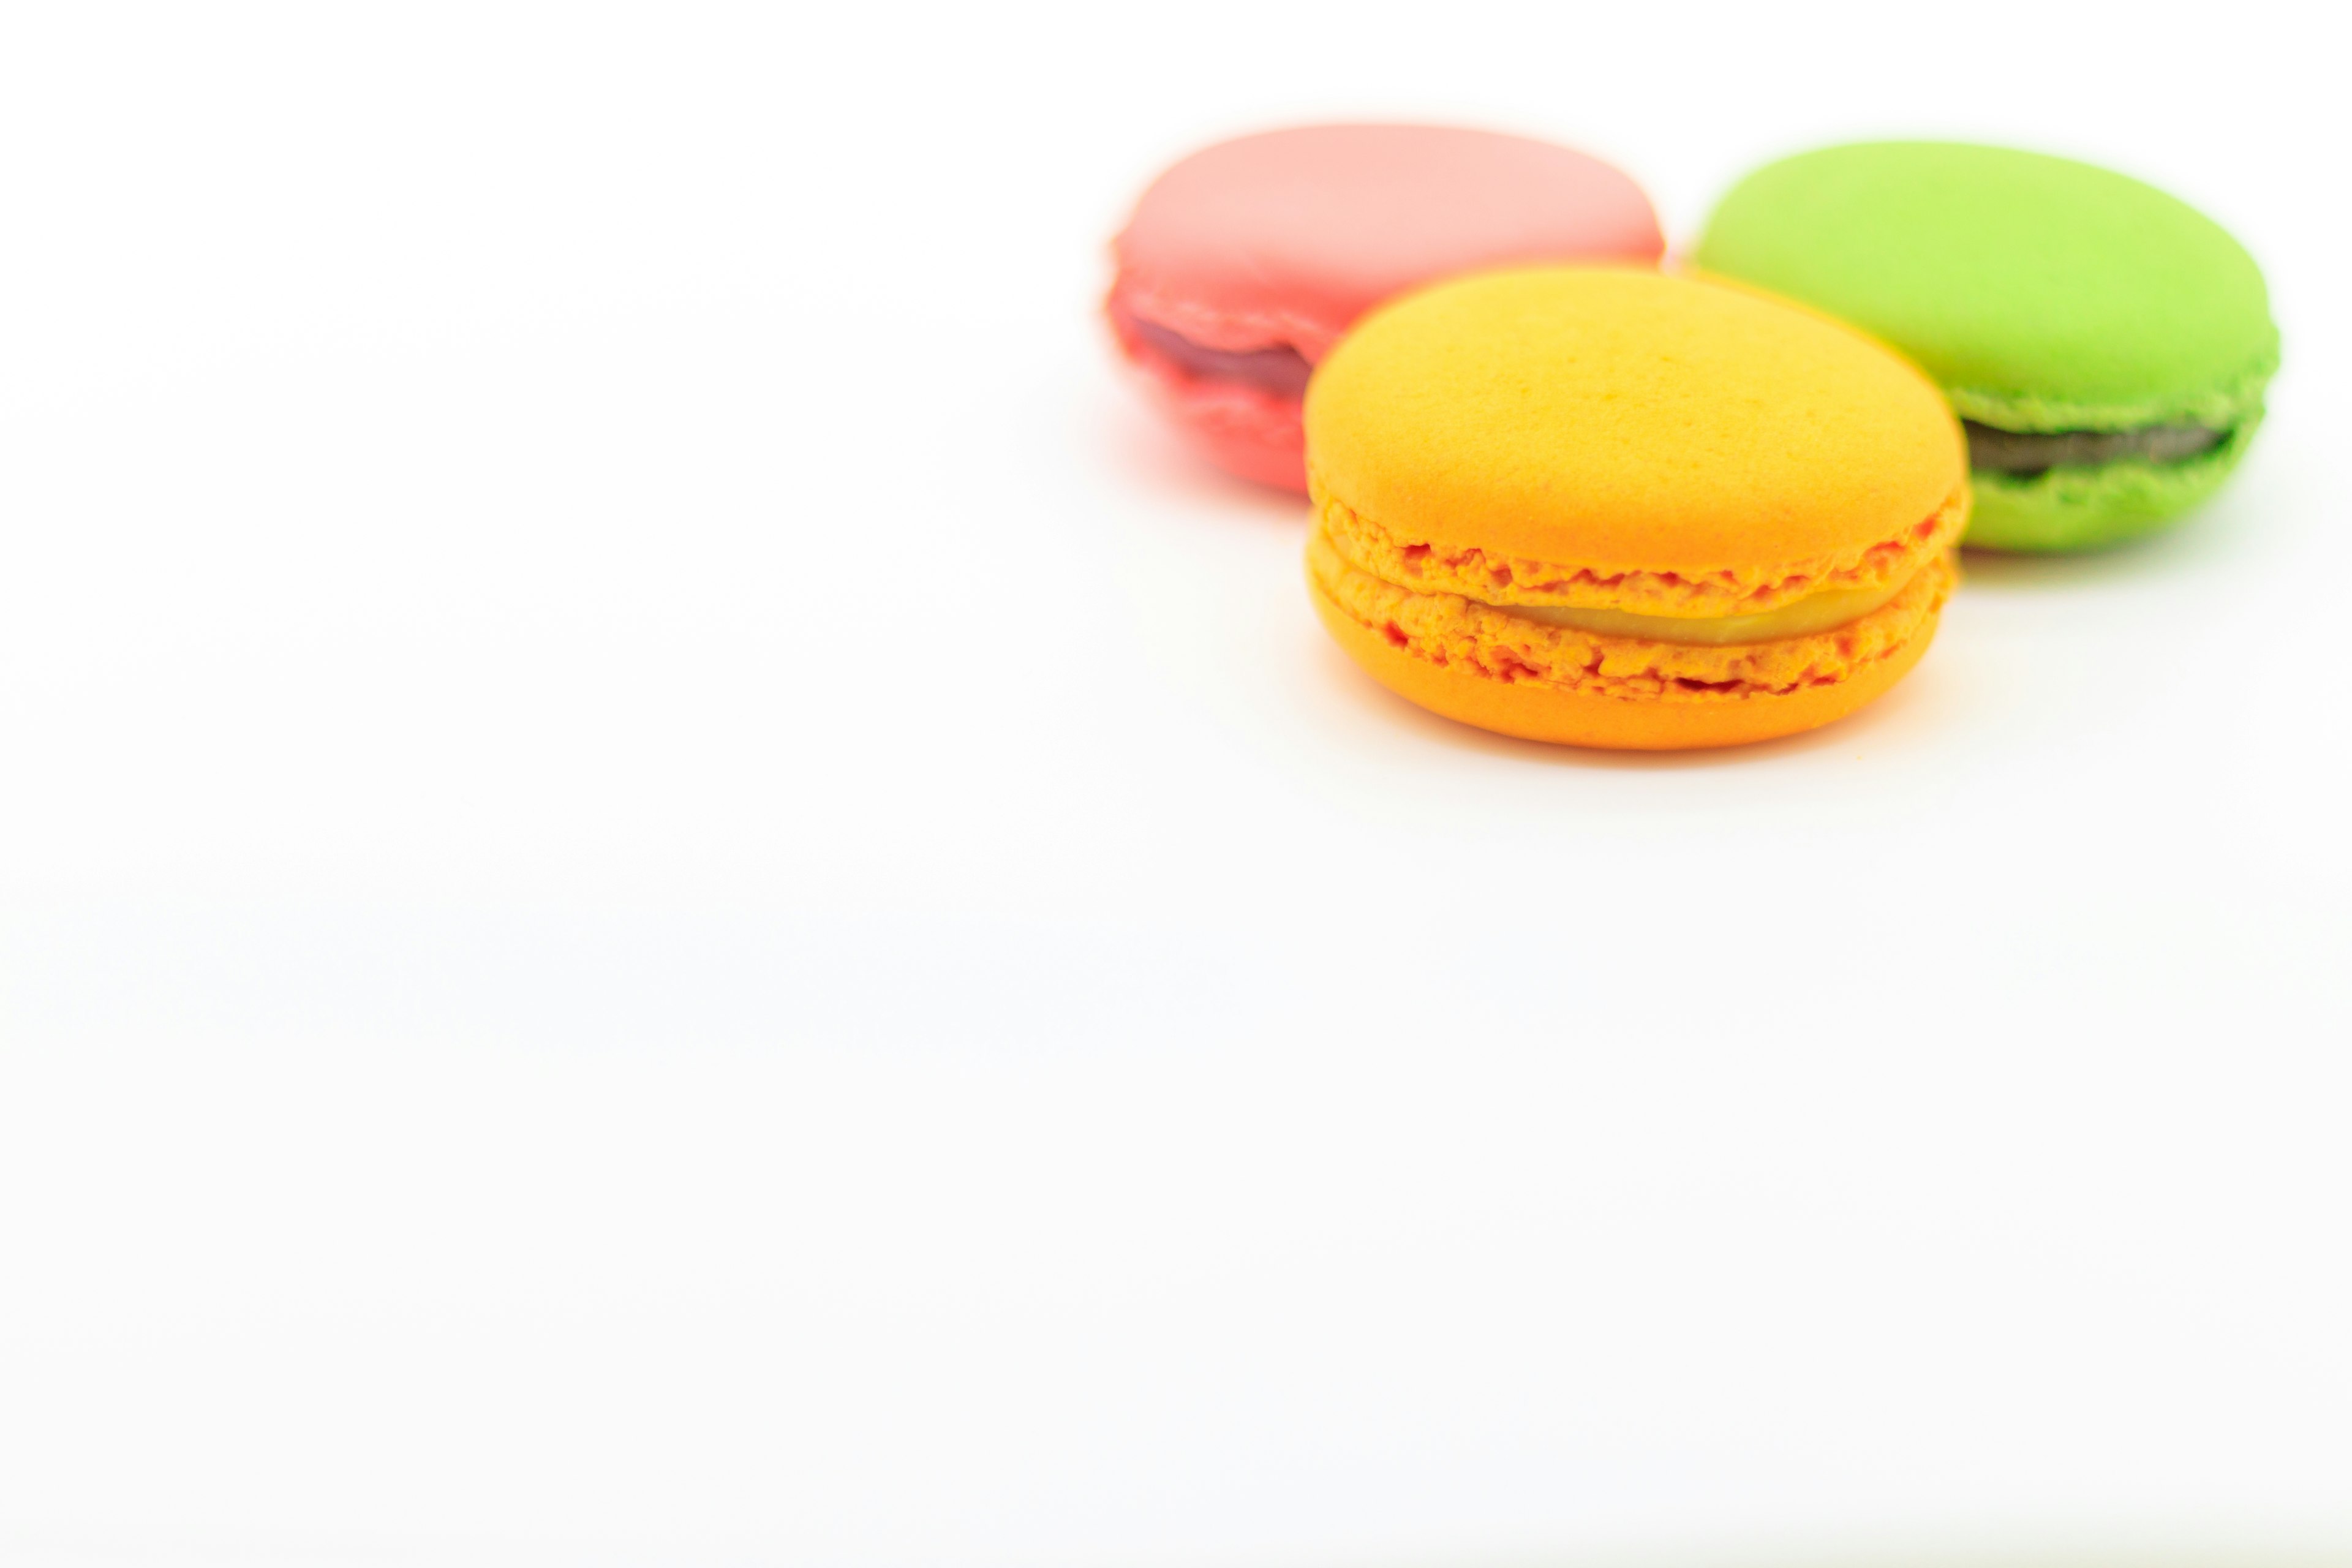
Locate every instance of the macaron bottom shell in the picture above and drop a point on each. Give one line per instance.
(2061, 511)
(1483, 667)
(1248, 431)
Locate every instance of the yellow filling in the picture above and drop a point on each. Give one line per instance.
(1814, 612)
(1505, 643)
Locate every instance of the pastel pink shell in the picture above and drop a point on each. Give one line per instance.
(1288, 236)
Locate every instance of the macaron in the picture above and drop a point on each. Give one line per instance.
(1612, 508)
(1242, 264)
(2107, 344)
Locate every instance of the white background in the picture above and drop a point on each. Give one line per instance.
(670, 891)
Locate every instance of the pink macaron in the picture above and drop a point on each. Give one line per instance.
(1243, 264)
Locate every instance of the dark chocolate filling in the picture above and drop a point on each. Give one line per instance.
(2028, 453)
(1282, 371)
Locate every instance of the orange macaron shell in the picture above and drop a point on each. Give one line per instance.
(1624, 418)
(1497, 460)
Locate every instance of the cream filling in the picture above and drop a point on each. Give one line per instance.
(1813, 613)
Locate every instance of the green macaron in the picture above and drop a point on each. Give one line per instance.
(2106, 344)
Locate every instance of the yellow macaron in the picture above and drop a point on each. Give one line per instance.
(1611, 507)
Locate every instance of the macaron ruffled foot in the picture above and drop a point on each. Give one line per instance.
(1612, 677)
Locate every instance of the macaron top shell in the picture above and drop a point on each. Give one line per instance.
(2044, 294)
(1616, 419)
(1287, 237)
